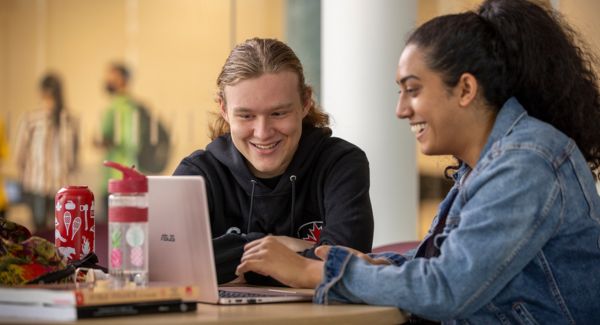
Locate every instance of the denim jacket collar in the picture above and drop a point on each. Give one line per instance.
(511, 112)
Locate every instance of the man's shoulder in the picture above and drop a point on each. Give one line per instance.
(199, 161)
(323, 140)
(334, 152)
(338, 146)
(199, 156)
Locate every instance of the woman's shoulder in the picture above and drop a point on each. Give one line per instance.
(530, 147)
(536, 137)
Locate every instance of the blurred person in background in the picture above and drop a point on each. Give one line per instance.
(119, 124)
(46, 151)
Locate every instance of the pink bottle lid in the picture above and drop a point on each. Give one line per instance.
(132, 182)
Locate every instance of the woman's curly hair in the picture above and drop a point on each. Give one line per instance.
(521, 49)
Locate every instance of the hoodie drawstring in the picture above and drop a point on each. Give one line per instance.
(292, 213)
(293, 181)
(251, 203)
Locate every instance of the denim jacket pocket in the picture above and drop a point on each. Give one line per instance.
(523, 315)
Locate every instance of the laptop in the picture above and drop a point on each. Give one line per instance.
(180, 244)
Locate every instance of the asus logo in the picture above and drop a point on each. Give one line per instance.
(165, 237)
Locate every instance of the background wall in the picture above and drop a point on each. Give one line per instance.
(583, 15)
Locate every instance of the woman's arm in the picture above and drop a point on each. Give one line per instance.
(506, 219)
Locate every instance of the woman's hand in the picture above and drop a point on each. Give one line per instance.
(322, 252)
(270, 257)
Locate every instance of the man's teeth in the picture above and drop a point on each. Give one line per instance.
(417, 128)
(265, 147)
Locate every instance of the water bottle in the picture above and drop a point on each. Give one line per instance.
(128, 227)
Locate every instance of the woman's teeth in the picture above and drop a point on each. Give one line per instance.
(417, 128)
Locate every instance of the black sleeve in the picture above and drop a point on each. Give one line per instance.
(228, 250)
(348, 211)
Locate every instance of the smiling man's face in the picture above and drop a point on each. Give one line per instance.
(265, 118)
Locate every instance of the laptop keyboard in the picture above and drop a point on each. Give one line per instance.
(239, 294)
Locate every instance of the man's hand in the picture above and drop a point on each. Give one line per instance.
(269, 257)
(238, 280)
(295, 244)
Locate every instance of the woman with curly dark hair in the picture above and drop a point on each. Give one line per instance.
(510, 91)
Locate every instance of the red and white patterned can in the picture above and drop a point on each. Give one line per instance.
(74, 227)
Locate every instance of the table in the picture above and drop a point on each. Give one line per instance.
(275, 313)
(280, 313)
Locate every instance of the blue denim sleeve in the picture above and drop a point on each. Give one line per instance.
(333, 270)
(337, 261)
(391, 257)
(502, 223)
(342, 278)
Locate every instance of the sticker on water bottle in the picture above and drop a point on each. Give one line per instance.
(116, 258)
(135, 236)
(137, 256)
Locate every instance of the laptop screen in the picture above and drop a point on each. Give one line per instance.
(180, 240)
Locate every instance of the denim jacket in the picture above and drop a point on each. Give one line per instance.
(521, 244)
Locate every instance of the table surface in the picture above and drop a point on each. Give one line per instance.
(275, 313)
(279, 313)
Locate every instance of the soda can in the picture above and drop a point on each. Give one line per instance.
(74, 227)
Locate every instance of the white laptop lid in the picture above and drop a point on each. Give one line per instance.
(180, 243)
(179, 234)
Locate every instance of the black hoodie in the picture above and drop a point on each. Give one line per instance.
(323, 196)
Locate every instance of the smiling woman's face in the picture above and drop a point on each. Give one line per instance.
(427, 103)
(265, 118)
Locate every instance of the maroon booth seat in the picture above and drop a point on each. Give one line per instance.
(399, 247)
